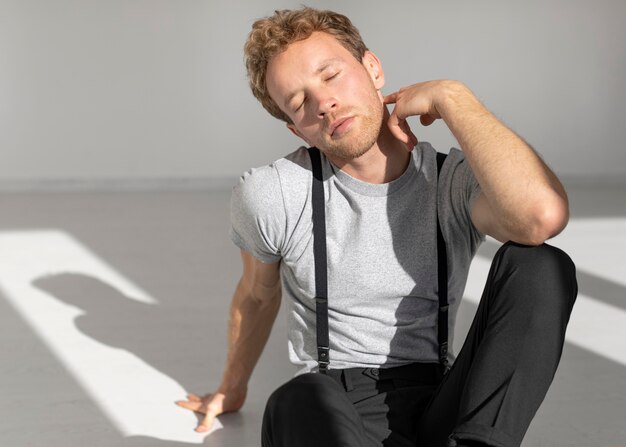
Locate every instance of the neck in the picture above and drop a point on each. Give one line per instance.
(384, 162)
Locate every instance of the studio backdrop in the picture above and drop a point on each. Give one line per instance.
(131, 92)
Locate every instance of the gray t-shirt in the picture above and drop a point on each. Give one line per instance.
(382, 253)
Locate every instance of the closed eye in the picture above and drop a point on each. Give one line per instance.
(301, 105)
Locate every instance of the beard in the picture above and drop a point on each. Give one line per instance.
(361, 136)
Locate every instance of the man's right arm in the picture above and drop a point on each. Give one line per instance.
(252, 314)
(253, 311)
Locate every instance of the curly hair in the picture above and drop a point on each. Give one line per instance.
(271, 35)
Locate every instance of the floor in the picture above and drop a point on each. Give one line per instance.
(114, 304)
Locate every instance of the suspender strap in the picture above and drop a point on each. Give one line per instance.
(319, 255)
(321, 279)
(442, 278)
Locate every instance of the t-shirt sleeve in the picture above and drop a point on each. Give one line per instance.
(257, 214)
(463, 189)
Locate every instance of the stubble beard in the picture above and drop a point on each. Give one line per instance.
(359, 139)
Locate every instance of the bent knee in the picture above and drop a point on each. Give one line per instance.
(542, 256)
(542, 267)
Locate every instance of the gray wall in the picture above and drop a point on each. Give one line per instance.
(155, 89)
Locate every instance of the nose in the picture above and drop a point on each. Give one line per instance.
(326, 103)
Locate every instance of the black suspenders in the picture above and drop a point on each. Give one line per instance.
(442, 279)
(321, 281)
(319, 255)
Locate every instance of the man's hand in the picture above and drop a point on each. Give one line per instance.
(416, 100)
(212, 405)
(522, 200)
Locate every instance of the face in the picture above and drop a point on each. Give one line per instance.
(332, 99)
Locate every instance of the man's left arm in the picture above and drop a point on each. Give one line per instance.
(522, 200)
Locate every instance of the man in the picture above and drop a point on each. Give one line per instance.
(386, 382)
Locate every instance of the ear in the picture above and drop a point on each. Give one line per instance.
(294, 130)
(374, 68)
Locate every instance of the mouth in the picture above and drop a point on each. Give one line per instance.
(340, 126)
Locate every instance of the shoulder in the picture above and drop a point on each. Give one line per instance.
(425, 159)
(458, 190)
(428, 155)
(294, 165)
(262, 186)
(454, 164)
(261, 206)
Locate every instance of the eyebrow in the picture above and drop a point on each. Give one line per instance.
(323, 66)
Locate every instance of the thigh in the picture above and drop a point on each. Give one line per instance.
(390, 409)
(311, 410)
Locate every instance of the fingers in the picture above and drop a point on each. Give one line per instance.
(427, 120)
(193, 403)
(391, 98)
(206, 423)
(401, 130)
(397, 122)
(193, 397)
(190, 405)
(411, 138)
(205, 405)
(415, 100)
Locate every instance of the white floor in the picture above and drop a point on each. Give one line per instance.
(114, 304)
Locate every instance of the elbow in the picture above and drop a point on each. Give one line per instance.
(549, 219)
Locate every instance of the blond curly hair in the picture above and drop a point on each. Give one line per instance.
(271, 35)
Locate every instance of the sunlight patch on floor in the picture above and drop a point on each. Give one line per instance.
(137, 399)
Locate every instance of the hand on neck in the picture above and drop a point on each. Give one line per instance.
(384, 162)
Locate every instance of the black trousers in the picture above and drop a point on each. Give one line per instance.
(490, 394)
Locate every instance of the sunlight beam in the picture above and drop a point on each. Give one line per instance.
(135, 397)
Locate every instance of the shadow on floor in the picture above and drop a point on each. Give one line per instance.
(150, 331)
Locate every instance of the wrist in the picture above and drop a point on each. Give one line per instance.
(454, 98)
(230, 388)
(235, 378)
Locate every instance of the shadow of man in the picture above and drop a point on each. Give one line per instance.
(163, 337)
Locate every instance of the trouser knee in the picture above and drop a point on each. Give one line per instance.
(542, 278)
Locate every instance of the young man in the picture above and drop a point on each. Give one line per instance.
(387, 381)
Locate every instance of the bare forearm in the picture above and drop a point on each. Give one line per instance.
(518, 185)
(250, 325)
